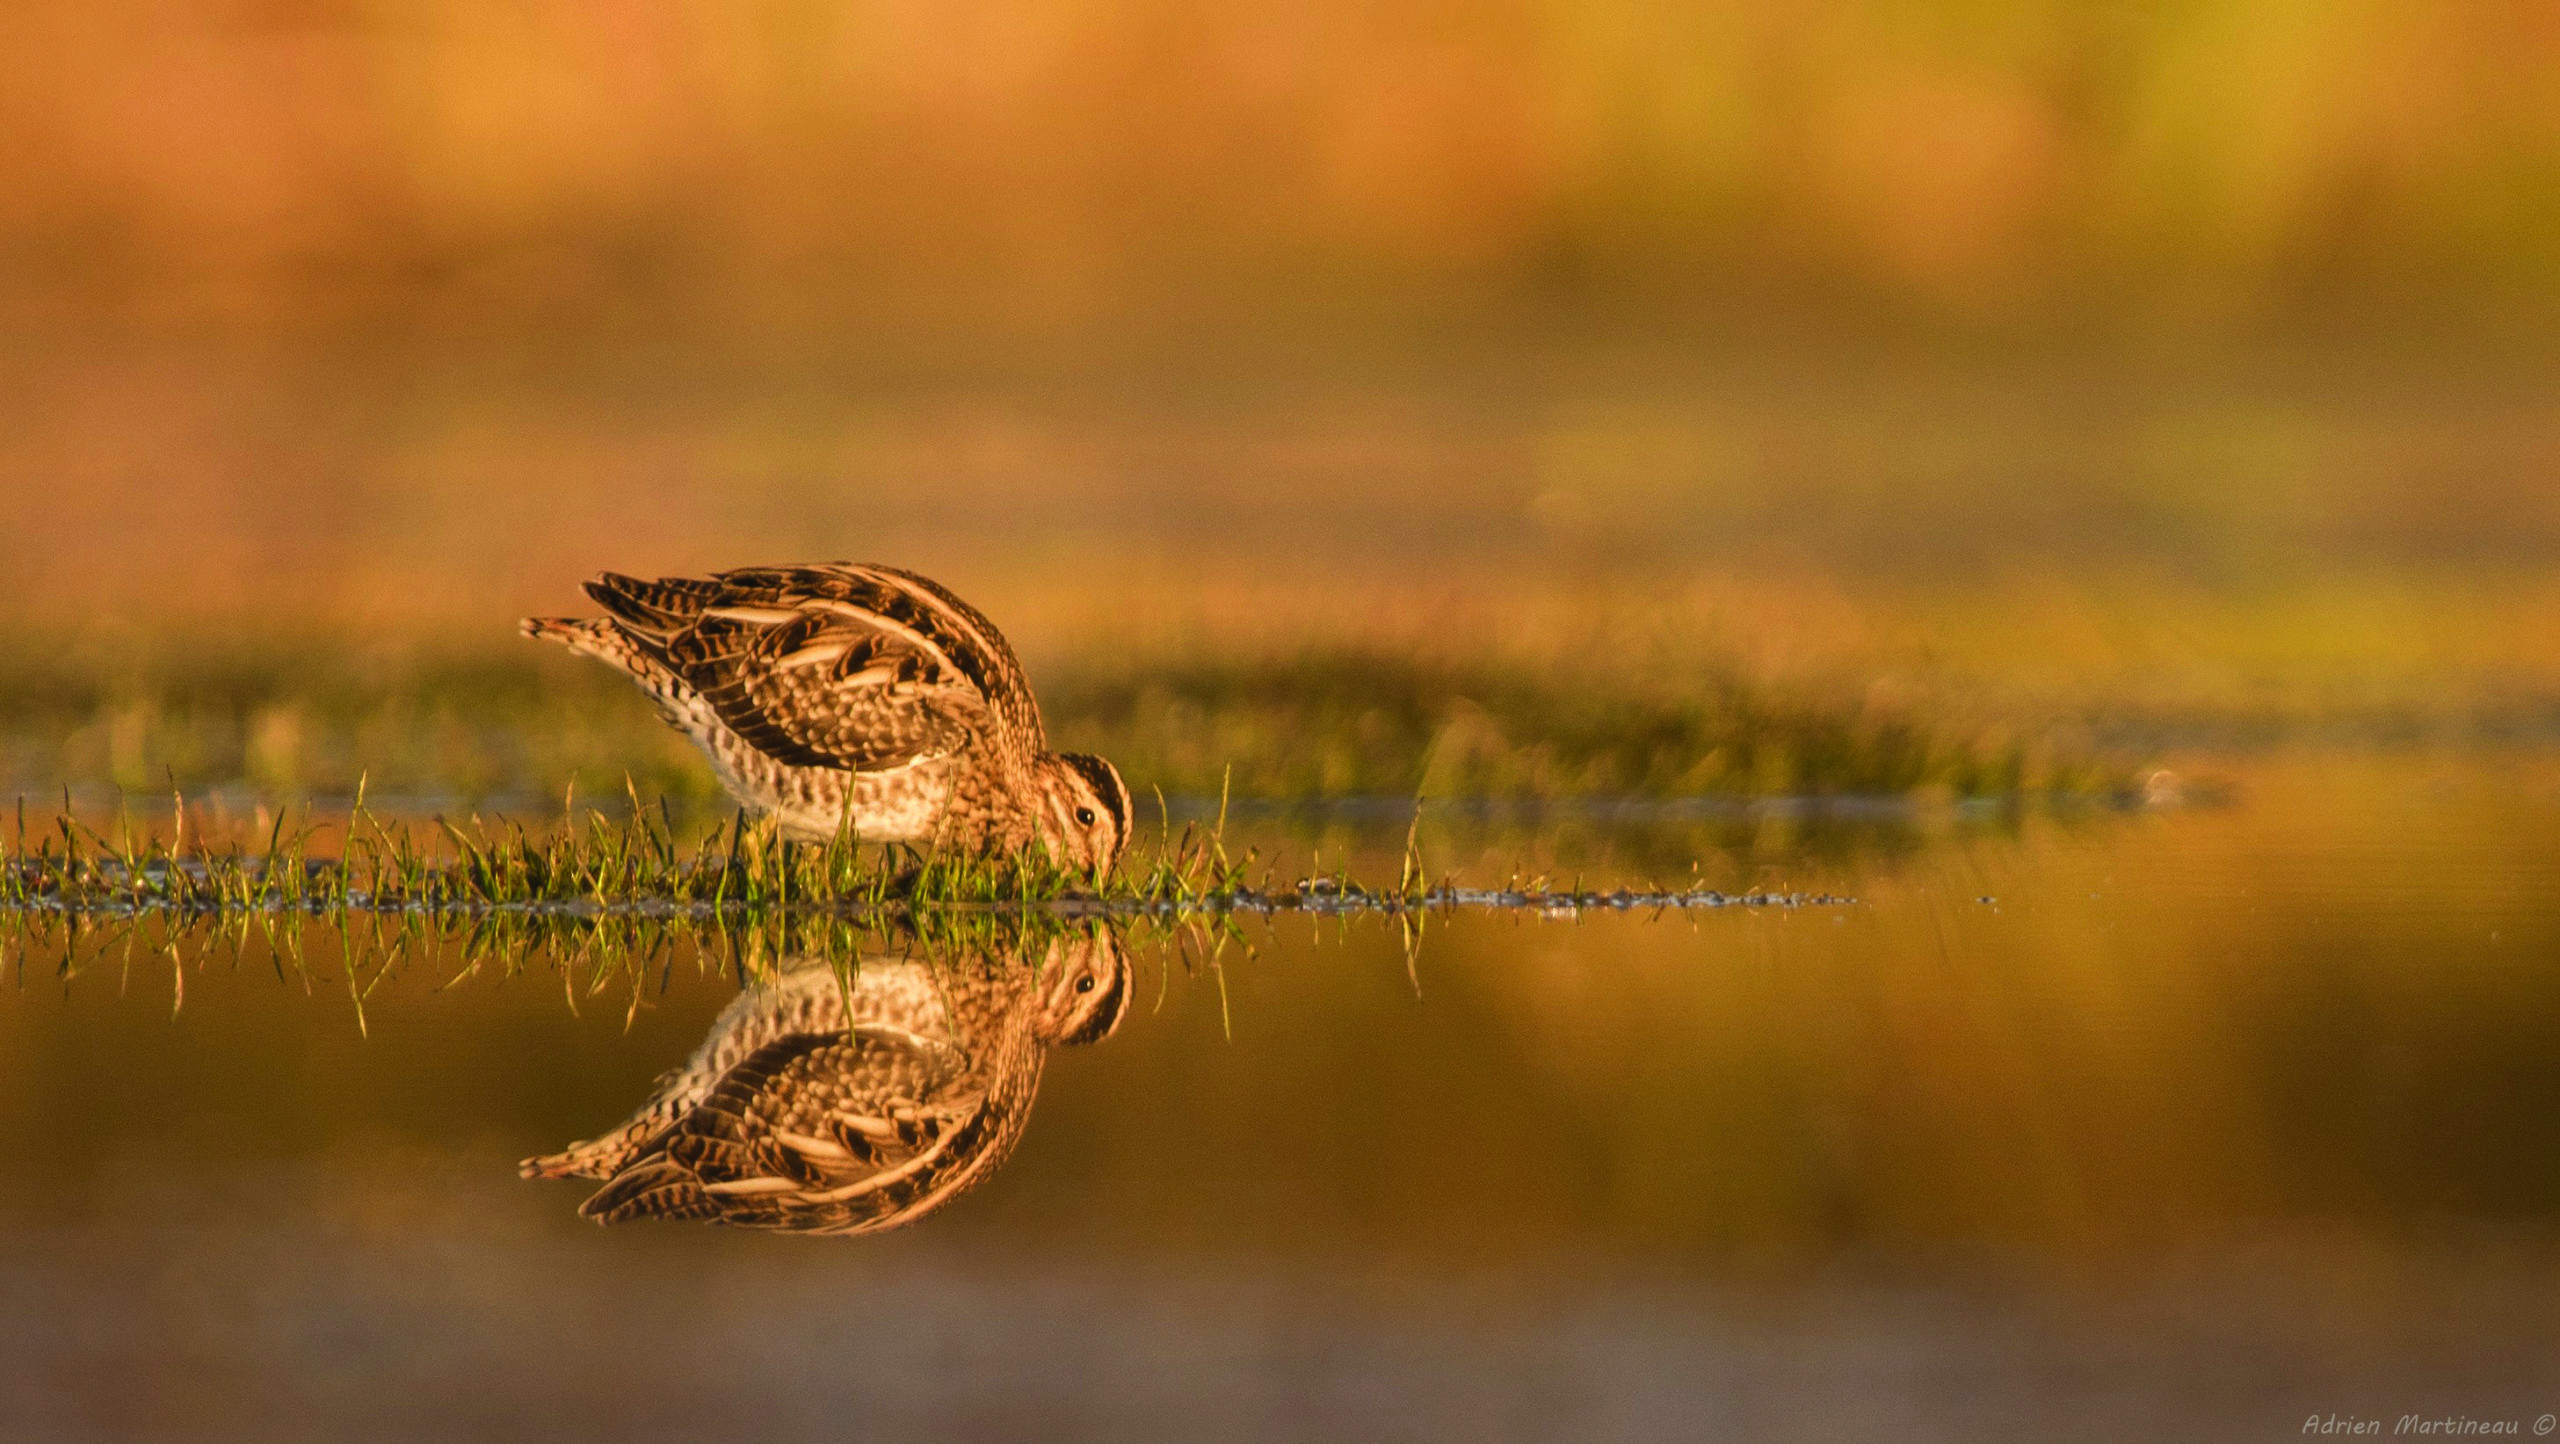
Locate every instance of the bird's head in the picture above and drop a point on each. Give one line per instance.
(1084, 987)
(1084, 811)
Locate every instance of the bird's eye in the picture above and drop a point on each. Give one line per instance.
(1084, 817)
(1084, 985)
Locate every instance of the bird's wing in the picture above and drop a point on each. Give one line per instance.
(834, 1133)
(804, 998)
(836, 665)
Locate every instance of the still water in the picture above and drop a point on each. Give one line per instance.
(2185, 1123)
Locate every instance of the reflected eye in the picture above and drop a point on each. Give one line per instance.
(1084, 817)
(1084, 985)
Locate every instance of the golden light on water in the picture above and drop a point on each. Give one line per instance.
(2083, 480)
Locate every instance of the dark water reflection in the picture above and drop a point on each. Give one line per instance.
(2202, 1123)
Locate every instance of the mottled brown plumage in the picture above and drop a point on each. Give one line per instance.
(842, 694)
(826, 1103)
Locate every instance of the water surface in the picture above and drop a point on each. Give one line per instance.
(2186, 1123)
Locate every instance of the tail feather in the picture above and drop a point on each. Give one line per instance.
(598, 1158)
(652, 1188)
(593, 636)
(564, 630)
(654, 609)
(568, 1163)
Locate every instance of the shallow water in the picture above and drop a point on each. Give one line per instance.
(2188, 1123)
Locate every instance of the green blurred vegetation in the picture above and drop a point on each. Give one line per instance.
(1358, 723)
(283, 723)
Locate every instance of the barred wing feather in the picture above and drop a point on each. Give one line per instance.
(824, 1133)
(838, 665)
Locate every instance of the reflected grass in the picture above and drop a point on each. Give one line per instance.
(618, 957)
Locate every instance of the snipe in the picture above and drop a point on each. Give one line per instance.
(841, 694)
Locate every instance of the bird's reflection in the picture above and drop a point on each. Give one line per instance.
(843, 1101)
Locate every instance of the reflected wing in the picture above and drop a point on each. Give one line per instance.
(804, 998)
(821, 1133)
(837, 665)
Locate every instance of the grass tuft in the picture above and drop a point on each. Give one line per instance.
(590, 865)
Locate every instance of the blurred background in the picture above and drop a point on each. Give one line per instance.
(2002, 407)
(471, 166)
(2061, 385)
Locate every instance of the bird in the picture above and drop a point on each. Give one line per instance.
(842, 695)
(833, 1103)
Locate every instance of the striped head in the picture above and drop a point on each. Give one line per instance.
(1084, 987)
(1084, 810)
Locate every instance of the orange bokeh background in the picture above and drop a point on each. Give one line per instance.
(484, 159)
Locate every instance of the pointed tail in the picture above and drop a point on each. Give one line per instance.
(592, 635)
